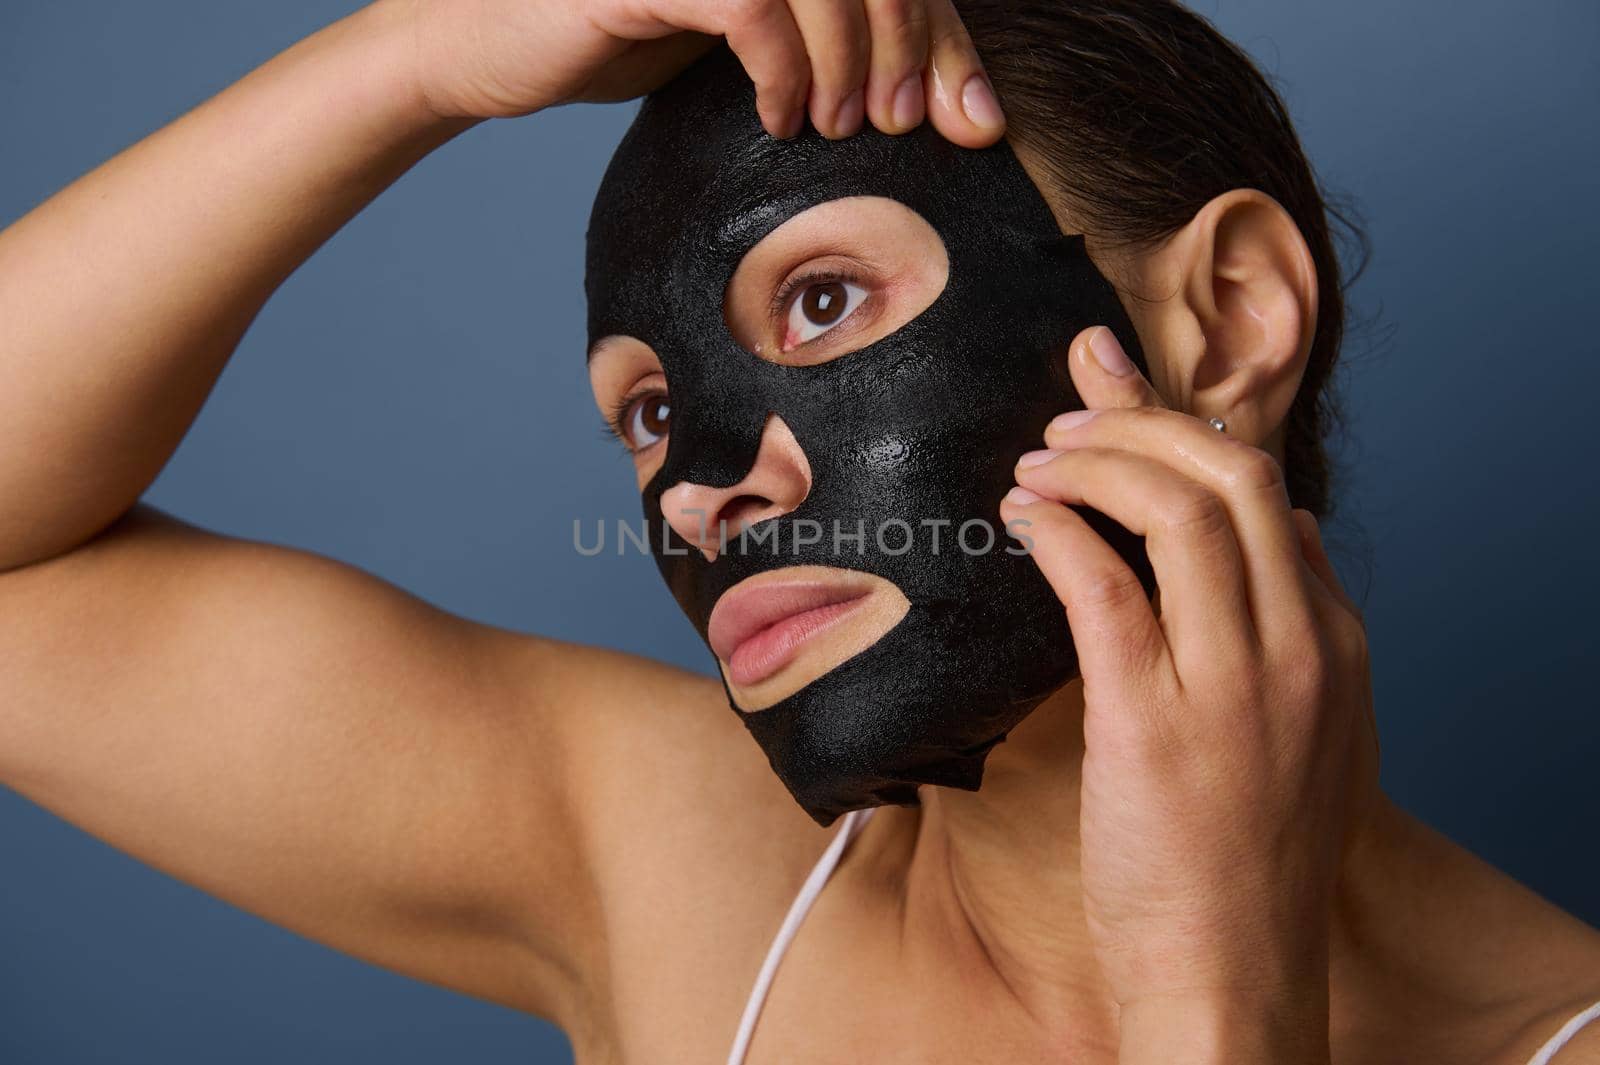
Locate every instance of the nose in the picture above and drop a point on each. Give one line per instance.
(779, 480)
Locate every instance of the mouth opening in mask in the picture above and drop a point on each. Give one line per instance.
(776, 632)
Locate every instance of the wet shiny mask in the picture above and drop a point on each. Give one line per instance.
(921, 427)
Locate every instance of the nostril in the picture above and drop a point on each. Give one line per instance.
(708, 525)
(743, 511)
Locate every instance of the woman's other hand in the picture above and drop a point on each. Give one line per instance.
(890, 62)
(1231, 751)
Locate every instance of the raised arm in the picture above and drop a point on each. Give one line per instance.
(282, 730)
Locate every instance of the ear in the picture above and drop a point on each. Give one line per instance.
(1234, 329)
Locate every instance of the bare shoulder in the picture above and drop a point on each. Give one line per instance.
(1456, 960)
(1564, 982)
(1547, 973)
(693, 845)
(1517, 965)
(1582, 1047)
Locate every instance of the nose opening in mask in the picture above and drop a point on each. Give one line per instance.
(777, 482)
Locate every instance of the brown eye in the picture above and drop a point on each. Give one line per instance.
(821, 306)
(645, 421)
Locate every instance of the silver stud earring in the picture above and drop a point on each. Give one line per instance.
(1219, 425)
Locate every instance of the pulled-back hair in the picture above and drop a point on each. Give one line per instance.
(1140, 112)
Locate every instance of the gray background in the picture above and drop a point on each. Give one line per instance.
(413, 401)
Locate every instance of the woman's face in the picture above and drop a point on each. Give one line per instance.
(832, 279)
(840, 348)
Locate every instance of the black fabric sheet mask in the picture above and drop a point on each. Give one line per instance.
(922, 426)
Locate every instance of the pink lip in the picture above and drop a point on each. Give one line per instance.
(757, 629)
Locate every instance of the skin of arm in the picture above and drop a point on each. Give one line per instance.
(445, 799)
(107, 357)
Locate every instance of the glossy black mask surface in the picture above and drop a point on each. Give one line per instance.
(923, 425)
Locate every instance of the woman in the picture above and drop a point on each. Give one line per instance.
(1183, 856)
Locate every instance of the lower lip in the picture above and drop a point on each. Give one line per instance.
(775, 646)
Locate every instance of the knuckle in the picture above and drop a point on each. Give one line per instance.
(1253, 470)
(1313, 673)
(1324, 662)
(1193, 513)
(779, 93)
(1350, 638)
(898, 22)
(743, 14)
(769, 86)
(840, 64)
(852, 38)
(1157, 741)
(857, 58)
(1138, 420)
(950, 36)
(1110, 588)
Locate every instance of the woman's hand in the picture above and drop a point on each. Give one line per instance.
(890, 61)
(1231, 752)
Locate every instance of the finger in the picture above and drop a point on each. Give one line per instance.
(961, 103)
(1120, 645)
(1104, 375)
(1248, 481)
(1347, 626)
(1317, 558)
(763, 34)
(899, 31)
(836, 42)
(1188, 536)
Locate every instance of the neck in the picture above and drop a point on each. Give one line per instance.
(992, 879)
(1022, 916)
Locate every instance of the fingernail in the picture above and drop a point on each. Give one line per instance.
(907, 111)
(1107, 351)
(978, 101)
(847, 120)
(1071, 420)
(1022, 497)
(1036, 458)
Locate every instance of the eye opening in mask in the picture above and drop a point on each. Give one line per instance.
(625, 373)
(886, 264)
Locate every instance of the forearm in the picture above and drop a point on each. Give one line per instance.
(122, 297)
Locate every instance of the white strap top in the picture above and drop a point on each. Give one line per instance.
(849, 827)
(1561, 1038)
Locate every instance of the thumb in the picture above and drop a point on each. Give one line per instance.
(1104, 375)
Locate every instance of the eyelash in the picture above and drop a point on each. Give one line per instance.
(619, 410)
(780, 299)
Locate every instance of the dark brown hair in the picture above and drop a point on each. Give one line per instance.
(1141, 112)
